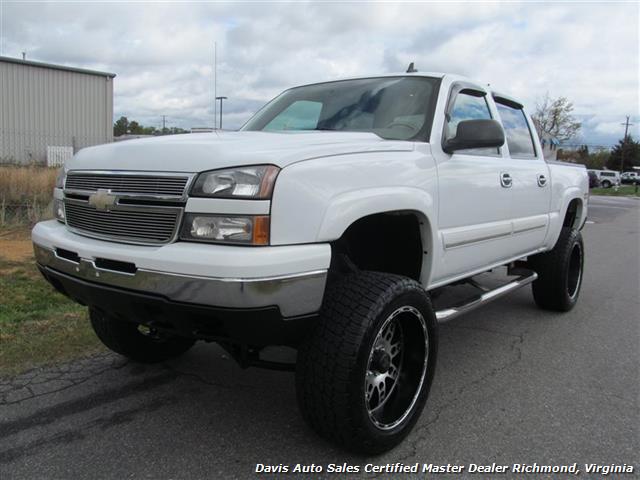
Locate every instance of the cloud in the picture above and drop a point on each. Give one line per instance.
(163, 52)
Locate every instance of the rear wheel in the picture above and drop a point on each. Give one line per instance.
(137, 342)
(606, 184)
(363, 375)
(559, 272)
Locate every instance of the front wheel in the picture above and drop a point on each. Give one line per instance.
(364, 373)
(137, 342)
(606, 184)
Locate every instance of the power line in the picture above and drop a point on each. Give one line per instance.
(594, 145)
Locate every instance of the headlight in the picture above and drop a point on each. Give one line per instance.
(246, 230)
(62, 175)
(254, 182)
(58, 209)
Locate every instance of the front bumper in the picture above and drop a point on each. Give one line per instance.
(292, 278)
(255, 327)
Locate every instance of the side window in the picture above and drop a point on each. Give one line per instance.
(300, 115)
(468, 106)
(517, 131)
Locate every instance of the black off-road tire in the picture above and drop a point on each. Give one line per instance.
(127, 339)
(332, 366)
(606, 184)
(560, 272)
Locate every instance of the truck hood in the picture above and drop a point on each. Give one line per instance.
(208, 151)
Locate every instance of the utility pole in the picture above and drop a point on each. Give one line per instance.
(626, 127)
(624, 142)
(24, 56)
(215, 82)
(164, 123)
(221, 99)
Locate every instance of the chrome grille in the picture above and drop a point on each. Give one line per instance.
(157, 185)
(139, 225)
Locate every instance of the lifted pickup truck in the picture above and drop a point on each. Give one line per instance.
(324, 224)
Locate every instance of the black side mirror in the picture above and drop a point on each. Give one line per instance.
(475, 134)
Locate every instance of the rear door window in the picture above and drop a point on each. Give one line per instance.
(517, 131)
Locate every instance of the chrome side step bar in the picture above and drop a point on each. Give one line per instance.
(452, 312)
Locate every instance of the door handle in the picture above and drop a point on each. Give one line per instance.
(505, 180)
(542, 180)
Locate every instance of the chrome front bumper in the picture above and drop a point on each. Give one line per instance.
(296, 294)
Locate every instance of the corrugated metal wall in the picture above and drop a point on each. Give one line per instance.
(42, 107)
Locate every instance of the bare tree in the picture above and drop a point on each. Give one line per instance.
(553, 119)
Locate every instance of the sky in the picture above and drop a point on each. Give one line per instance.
(163, 53)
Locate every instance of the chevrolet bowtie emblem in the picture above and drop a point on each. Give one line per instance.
(103, 200)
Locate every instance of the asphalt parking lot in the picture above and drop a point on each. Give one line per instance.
(514, 384)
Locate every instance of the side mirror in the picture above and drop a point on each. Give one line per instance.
(475, 134)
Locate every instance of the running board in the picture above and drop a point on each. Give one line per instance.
(452, 312)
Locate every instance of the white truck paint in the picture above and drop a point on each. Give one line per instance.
(325, 224)
(329, 180)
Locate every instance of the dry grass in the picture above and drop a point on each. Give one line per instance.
(25, 194)
(27, 184)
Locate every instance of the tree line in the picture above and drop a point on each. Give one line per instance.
(623, 156)
(123, 126)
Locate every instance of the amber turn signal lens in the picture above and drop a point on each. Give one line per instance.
(261, 230)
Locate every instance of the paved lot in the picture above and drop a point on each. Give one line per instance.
(514, 384)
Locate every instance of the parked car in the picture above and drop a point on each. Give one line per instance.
(607, 178)
(594, 182)
(323, 224)
(630, 177)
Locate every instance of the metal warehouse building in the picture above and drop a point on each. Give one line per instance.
(44, 106)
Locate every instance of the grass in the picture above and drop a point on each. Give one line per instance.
(623, 191)
(24, 184)
(25, 194)
(38, 325)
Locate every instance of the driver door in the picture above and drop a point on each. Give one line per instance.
(474, 198)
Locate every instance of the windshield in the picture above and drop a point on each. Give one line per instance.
(395, 108)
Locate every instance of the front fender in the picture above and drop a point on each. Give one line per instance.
(315, 201)
(346, 208)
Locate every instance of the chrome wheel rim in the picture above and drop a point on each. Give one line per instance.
(574, 274)
(396, 367)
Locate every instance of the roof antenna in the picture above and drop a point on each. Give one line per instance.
(411, 68)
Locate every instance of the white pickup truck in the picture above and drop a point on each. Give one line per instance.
(324, 224)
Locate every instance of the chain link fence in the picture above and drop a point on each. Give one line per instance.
(15, 215)
(26, 195)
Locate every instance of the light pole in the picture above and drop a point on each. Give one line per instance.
(221, 99)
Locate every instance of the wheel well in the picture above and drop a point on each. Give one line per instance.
(573, 215)
(385, 242)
